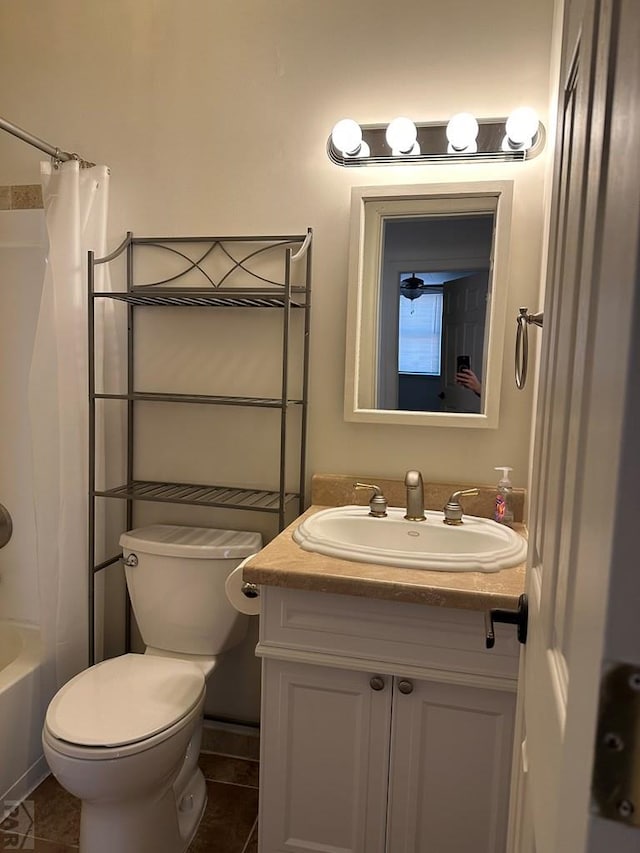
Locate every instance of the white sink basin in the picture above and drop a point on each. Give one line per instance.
(349, 532)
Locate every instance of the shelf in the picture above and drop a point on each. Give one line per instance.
(153, 397)
(203, 297)
(246, 273)
(199, 495)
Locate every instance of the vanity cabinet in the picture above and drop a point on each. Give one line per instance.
(386, 726)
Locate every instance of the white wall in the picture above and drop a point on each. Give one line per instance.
(214, 119)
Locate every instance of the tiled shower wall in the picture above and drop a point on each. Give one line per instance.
(21, 197)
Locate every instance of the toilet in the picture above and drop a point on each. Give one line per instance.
(124, 735)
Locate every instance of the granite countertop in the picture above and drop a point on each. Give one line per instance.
(283, 563)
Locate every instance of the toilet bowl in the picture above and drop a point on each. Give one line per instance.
(124, 735)
(117, 737)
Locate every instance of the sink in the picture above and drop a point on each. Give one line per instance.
(349, 532)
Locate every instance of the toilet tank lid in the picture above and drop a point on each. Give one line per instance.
(205, 543)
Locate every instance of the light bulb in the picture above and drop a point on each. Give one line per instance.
(462, 131)
(346, 137)
(401, 136)
(522, 126)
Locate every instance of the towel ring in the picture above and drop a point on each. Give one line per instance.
(523, 321)
(6, 526)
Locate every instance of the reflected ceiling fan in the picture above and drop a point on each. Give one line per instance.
(413, 287)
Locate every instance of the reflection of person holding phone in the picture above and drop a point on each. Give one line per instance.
(465, 376)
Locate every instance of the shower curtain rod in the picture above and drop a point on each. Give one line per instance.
(30, 139)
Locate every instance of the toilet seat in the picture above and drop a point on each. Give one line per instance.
(124, 701)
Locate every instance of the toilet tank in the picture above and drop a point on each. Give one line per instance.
(177, 586)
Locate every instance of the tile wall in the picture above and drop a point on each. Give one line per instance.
(21, 197)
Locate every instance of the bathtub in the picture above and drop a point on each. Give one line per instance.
(22, 766)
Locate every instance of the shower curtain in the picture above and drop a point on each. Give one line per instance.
(76, 204)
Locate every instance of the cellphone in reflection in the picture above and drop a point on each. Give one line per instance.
(463, 362)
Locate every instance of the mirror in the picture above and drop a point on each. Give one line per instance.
(427, 297)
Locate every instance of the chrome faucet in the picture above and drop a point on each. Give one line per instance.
(415, 496)
(453, 508)
(378, 502)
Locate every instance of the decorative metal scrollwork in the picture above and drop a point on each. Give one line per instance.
(523, 321)
(229, 256)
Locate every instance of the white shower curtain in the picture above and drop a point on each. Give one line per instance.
(75, 203)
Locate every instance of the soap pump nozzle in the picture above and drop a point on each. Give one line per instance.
(505, 473)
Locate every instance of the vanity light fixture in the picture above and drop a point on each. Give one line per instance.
(462, 132)
(346, 137)
(463, 139)
(521, 129)
(401, 136)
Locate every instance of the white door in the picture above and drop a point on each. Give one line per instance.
(584, 576)
(463, 323)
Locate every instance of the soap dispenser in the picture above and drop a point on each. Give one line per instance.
(503, 512)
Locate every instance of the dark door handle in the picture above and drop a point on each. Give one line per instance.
(519, 617)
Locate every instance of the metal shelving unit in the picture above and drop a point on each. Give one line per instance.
(242, 260)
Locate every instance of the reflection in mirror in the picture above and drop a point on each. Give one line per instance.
(426, 304)
(434, 319)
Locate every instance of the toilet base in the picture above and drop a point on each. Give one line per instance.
(134, 800)
(162, 826)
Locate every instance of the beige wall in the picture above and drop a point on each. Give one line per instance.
(213, 117)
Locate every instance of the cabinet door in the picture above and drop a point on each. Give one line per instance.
(451, 748)
(325, 760)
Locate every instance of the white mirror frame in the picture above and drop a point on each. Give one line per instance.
(369, 207)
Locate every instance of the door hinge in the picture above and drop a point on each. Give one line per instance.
(615, 786)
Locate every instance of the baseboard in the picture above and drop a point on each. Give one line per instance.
(235, 727)
(25, 785)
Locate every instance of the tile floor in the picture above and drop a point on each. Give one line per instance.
(229, 761)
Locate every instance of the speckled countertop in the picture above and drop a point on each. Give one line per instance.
(283, 563)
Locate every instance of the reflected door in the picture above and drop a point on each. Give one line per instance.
(464, 317)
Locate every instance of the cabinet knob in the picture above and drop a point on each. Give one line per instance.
(377, 683)
(405, 686)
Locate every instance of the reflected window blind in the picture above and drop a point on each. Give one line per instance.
(420, 334)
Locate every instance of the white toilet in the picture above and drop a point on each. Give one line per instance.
(124, 735)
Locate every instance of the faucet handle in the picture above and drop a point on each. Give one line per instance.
(453, 507)
(378, 502)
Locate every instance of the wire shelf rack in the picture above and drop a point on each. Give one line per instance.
(205, 297)
(247, 272)
(230, 497)
(203, 399)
